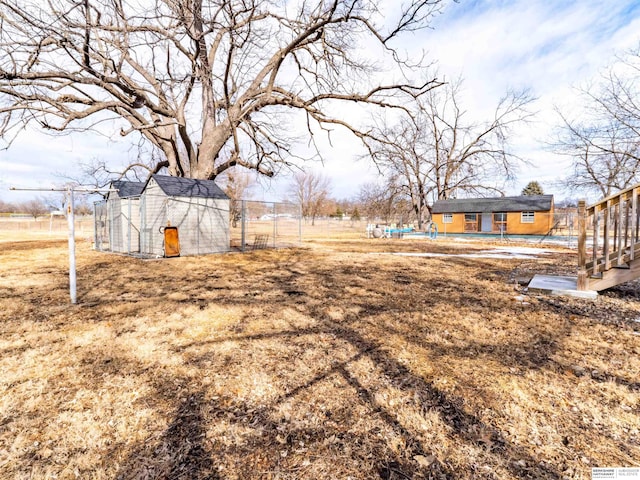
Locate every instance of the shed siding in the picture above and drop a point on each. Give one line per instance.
(114, 221)
(119, 217)
(154, 214)
(131, 224)
(203, 223)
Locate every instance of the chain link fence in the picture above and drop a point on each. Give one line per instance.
(46, 224)
(256, 225)
(252, 225)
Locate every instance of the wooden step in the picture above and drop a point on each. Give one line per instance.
(625, 258)
(614, 277)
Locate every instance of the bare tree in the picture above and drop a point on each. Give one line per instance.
(207, 83)
(35, 208)
(238, 185)
(7, 207)
(439, 153)
(98, 173)
(380, 200)
(603, 137)
(311, 191)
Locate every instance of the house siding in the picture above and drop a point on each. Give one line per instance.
(456, 226)
(542, 224)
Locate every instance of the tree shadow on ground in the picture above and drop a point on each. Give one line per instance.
(180, 453)
(187, 455)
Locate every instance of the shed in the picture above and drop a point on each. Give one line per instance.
(122, 216)
(521, 215)
(198, 208)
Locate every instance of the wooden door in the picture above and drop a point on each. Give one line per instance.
(171, 242)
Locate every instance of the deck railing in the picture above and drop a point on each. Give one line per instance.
(612, 227)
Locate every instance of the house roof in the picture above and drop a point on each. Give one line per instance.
(523, 203)
(188, 187)
(128, 189)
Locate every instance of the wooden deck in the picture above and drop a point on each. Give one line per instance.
(612, 225)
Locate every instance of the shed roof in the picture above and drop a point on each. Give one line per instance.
(188, 187)
(522, 203)
(128, 189)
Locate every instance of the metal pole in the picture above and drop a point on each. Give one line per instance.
(72, 248)
(129, 227)
(275, 224)
(143, 248)
(243, 205)
(198, 223)
(71, 222)
(299, 224)
(95, 226)
(110, 224)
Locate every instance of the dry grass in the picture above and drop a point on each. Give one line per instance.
(321, 362)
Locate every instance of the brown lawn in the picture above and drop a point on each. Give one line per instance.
(323, 362)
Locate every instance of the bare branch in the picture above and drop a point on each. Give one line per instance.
(206, 82)
(603, 139)
(437, 154)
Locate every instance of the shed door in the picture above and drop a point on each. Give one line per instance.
(171, 242)
(486, 223)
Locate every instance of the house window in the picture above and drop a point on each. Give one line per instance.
(500, 222)
(527, 217)
(470, 222)
(447, 218)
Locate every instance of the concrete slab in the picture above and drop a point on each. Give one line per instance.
(559, 285)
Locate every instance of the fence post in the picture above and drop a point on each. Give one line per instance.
(582, 245)
(72, 248)
(243, 206)
(95, 226)
(129, 225)
(300, 224)
(275, 223)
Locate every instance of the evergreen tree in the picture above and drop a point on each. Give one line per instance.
(532, 188)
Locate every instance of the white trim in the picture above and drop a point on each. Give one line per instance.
(527, 217)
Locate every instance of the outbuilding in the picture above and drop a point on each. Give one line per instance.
(197, 210)
(136, 217)
(120, 219)
(521, 215)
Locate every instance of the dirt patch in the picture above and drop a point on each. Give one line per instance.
(318, 362)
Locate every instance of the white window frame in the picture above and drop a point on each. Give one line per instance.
(447, 218)
(527, 217)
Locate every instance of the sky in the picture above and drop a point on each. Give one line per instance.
(547, 46)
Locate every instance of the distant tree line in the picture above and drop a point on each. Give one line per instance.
(38, 207)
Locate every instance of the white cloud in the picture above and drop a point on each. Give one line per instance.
(548, 47)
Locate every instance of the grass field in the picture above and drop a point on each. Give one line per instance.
(330, 361)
